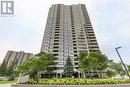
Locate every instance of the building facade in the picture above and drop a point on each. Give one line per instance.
(14, 58)
(68, 31)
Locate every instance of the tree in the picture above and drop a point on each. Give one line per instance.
(128, 67)
(68, 68)
(8, 72)
(29, 67)
(116, 68)
(51, 64)
(93, 61)
(40, 62)
(84, 65)
(2, 71)
(99, 61)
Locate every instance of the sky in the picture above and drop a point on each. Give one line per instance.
(24, 31)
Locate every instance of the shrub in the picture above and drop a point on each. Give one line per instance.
(31, 82)
(78, 81)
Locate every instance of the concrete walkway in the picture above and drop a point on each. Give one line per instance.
(105, 85)
(5, 85)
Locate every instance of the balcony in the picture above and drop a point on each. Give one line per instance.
(55, 51)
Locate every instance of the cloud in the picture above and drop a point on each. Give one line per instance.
(111, 24)
(24, 31)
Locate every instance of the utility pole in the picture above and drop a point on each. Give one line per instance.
(126, 70)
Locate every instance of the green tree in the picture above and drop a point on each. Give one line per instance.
(51, 64)
(116, 68)
(84, 65)
(8, 72)
(93, 61)
(68, 68)
(128, 67)
(40, 62)
(2, 71)
(99, 61)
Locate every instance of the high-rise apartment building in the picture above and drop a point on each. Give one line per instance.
(68, 31)
(14, 58)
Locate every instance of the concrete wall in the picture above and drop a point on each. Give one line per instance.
(110, 85)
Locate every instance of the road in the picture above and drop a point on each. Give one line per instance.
(5, 85)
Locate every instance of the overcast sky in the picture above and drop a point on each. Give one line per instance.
(24, 31)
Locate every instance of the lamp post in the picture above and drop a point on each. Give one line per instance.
(122, 61)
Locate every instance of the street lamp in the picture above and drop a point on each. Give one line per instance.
(122, 61)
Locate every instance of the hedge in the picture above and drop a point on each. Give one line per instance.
(70, 81)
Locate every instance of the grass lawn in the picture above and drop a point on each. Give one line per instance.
(6, 82)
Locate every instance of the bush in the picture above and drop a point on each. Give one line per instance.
(31, 82)
(78, 81)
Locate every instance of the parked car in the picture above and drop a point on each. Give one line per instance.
(120, 77)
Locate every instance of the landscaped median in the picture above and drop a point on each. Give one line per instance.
(106, 85)
(76, 83)
(6, 81)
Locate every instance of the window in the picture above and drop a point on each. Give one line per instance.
(56, 40)
(75, 59)
(55, 47)
(75, 51)
(55, 50)
(75, 48)
(74, 38)
(56, 43)
(73, 35)
(75, 55)
(74, 44)
(57, 27)
(73, 30)
(76, 63)
(74, 41)
(56, 34)
(55, 54)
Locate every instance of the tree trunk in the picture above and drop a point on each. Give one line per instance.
(98, 73)
(90, 74)
(35, 76)
(56, 75)
(60, 75)
(49, 76)
(84, 75)
(79, 75)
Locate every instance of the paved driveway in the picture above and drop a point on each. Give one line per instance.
(5, 85)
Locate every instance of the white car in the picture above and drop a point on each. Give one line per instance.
(126, 77)
(120, 77)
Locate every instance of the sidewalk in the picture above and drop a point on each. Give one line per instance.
(5, 85)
